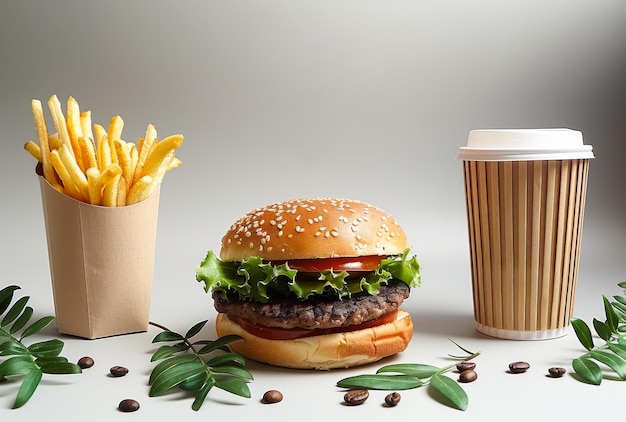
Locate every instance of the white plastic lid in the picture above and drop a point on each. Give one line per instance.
(524, 144)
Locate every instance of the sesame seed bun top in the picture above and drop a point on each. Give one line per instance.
(313, 228)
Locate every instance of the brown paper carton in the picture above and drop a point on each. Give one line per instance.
(101, 263)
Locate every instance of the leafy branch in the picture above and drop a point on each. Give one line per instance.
(612, 352)
(405, 376)
(33, 361)
(194, 367)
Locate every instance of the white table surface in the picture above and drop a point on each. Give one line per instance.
(441, 310)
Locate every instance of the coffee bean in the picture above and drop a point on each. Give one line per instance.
(464, 366)
(272, 396)
(469, 375)
(85, 362)
(128, 405)
(118, 371)
(556, 372)
(519, 367)
(392, 399)
(356, 397)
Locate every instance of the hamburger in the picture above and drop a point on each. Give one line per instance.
(313, 283)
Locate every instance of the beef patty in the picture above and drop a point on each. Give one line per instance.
(317, 313)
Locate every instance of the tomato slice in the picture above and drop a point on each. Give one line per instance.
(356, 263)
(273, 333)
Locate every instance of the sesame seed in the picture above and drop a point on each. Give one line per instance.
(251, 245)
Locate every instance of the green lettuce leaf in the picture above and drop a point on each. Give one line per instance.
(258, 281)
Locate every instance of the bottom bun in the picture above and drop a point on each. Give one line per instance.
(328, 351)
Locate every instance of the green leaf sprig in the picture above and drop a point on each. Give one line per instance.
(195, 367)
(612, 331)
(405, 376)
(28, 362)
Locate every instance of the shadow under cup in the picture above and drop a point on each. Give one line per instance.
(525, 197)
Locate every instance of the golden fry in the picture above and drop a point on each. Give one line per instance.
(145, 146)
(75, 130)
(160, 151)
(33, 149)
(44, 147)
(123, 158)
(54, 142)
(175, 164)
(92, 164)
(122, 192)
(114, 133)
(88, 152)
(59, 120)
(95, 185)
(85, 124)
(79, 178)
(69, 186)
(109, 195)
(139, 191)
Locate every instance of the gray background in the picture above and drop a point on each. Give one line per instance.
(282, 99)
(279, 99)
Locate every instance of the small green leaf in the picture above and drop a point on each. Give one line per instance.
(21, 321)
(6, 297)
(588, 370)
(619, 305)
(582, 332)
(195, 329)
(60, 368)
(233, 370)
(194, 382)
(233, 385)
(37, 326)
(414, 369)
(46, 348)
(381, 382)
(622, 284)
(218, 344)
(167, 336)
(230, 358)
(45, 360)
(17, 365)
(618, 348)
(15, 311)
(603, 330)
(169, 363)
(167, 351)
(28, 387)
(202, 394)
(174, 375)
(612, 320)
(616, 363)
(12, 347)
(451, 390)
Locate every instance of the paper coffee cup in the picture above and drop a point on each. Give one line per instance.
(101, 263)
(525, 195)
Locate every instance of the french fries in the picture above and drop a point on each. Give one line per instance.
(93, 164)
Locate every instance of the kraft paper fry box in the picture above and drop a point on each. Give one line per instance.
(101, 263)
